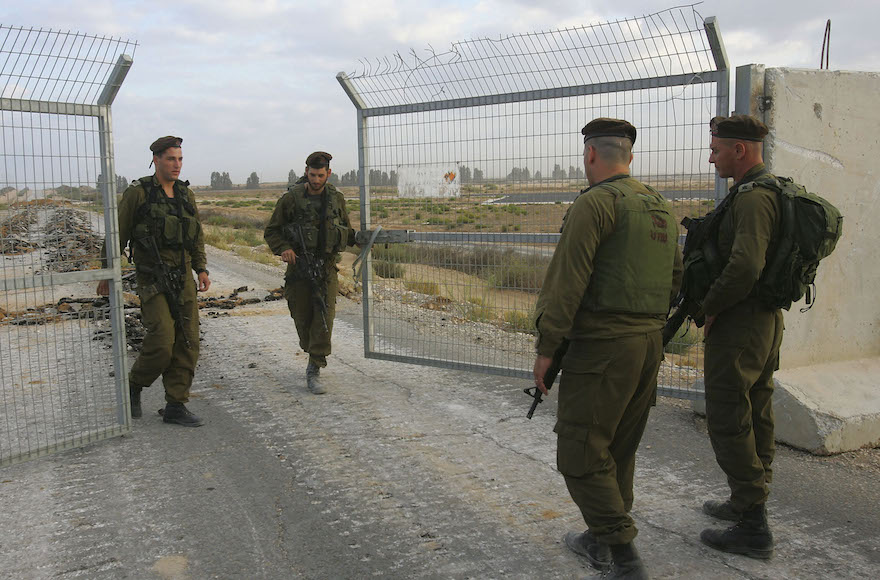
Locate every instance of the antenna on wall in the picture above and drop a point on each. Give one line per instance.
(826, 43)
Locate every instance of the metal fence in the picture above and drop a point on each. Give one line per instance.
(62, 351)
(477, 151)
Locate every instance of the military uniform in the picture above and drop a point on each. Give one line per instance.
(332, 232)
(742, 347)
(608, 288)
(181, 246)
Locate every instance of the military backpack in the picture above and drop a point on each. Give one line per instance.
(810, 228)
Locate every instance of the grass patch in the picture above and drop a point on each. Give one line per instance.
(387, 269)
(260, 255)
(218, 217)
(519, 321)
(429, 288)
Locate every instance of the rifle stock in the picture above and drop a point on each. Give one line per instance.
(549, 376)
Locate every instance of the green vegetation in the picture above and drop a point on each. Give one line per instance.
(429, 288)
(686, 337)
(387, 269)
(519, 321)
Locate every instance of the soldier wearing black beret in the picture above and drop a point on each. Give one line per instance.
(158, 215)
(743, 337)
(319, 209)
(607, 291)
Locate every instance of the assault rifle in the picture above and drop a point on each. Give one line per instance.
(169, 282)
(311, 267)
(549, 377)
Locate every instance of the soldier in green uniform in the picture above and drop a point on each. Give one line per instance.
(319, 208)
(607, 290)
(158, 212)
(742, 341)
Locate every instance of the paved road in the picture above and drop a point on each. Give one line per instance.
(398, 472)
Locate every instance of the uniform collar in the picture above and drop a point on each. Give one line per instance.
(751, 175)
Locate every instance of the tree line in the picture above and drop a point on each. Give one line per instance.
(466, 175)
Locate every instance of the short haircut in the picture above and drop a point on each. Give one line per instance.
(615, 150)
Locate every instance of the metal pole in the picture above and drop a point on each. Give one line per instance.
(722, 97)
(111, 227)
(364, 190)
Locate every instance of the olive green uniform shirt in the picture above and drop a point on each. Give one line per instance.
(746, 236)
(558, 313)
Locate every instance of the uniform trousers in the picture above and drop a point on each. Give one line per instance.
(164, 351)
(313, 338)
(605, 394)
(742, 351)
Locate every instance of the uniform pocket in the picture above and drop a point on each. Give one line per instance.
(572, 452)
(172, 232)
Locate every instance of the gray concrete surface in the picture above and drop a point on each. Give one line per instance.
(398, 472)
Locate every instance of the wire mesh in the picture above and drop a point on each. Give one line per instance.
(478, 149)
(59, 384)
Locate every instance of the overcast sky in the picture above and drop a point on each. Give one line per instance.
(250, 84)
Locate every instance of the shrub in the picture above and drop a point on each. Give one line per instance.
(386, 269)
(519, 321)
(429, 288)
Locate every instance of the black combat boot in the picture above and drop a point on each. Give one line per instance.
(134, 397)
(178, 413)
(723, 510)
(750, 536)
(625, 564)
(313, 379)
(589, 547)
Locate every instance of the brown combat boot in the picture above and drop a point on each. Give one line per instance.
(750, 536)
(586, 545)
(723, 510)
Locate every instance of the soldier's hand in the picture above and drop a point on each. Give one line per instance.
(204, 282)
(288, 256)
(104, 288)
(542, 363)
(708, 324)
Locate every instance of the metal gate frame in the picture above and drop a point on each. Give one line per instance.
(720, 76)
(113, 266)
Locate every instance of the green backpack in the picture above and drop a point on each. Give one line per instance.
(810, 228)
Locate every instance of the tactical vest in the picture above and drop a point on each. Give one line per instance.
(308, 215)
(171, 222)
(632, 269)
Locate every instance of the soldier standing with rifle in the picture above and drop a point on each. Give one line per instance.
(308, 229)
(158, 215)
(607, 290)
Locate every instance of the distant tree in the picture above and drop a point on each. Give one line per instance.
(558, 172)
(334, 178)
(572, 172)
(537, 176)
(393, 178)
(220, 180)
(478, 174)
(291, 177)
(121, 183)
(253, 182)
(465, 172)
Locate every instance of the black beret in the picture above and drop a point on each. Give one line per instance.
(318, 159)
(163, 143)
(605, 127)
(742, 127)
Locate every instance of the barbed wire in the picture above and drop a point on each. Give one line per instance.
(665, 43)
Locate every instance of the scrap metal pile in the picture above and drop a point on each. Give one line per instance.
(70, 241)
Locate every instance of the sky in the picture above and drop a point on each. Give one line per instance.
(251, 84)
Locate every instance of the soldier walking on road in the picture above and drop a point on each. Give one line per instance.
(743, 337)
(158, 215)
(311, 213)
(607, 290)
